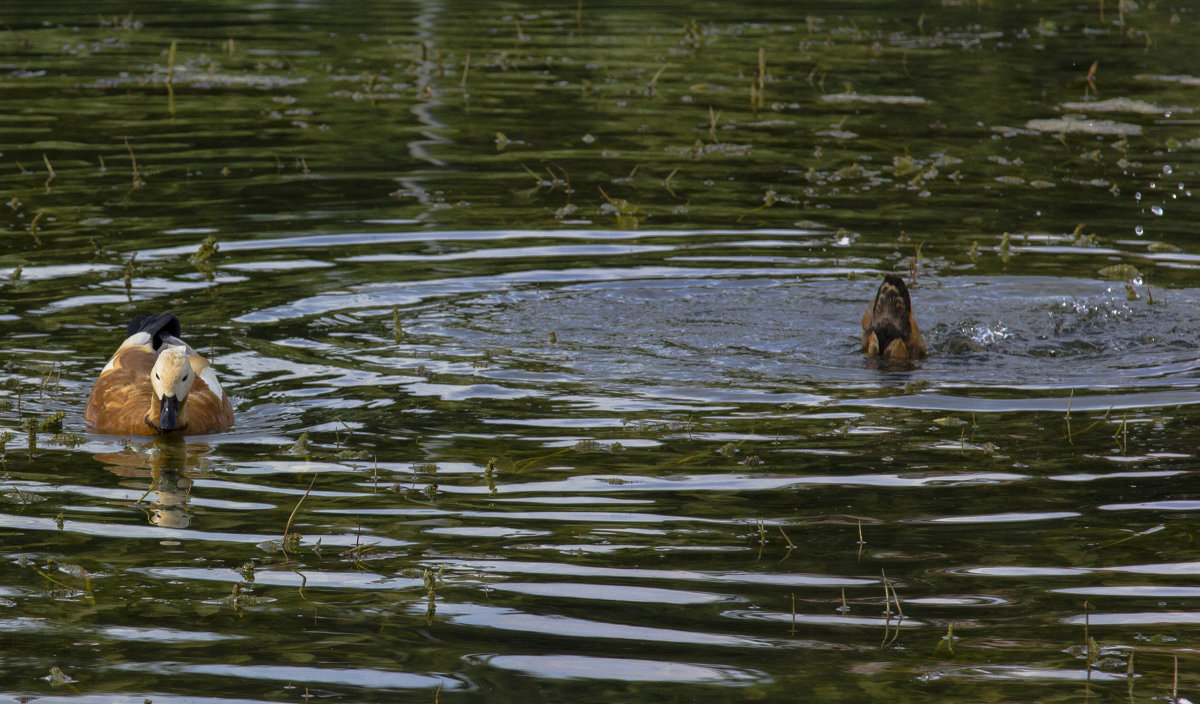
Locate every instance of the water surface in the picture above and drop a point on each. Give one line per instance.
(542, 329)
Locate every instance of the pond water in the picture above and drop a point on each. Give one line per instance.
(542, 328)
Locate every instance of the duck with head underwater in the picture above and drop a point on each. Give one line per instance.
(157, 384)
(889, 328)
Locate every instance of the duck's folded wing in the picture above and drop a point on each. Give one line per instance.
(208, 408)
(122, 394)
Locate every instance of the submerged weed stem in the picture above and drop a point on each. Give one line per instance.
(1070, 399)
(790, 544)
(49, 170)
(138, 182)
(171, 62)
(287, 527)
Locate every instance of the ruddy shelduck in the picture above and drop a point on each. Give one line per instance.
(889, 328)
(157, 384)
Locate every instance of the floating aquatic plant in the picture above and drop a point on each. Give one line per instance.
(1120, 272)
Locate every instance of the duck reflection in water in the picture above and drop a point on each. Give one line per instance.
(166, 462)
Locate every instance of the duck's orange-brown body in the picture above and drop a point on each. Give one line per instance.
(889, 328)
(156, 384)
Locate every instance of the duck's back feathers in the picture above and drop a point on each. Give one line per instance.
(886, 335)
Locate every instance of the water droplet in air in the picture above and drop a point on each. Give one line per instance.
(1167, 169)
(1156, 209)
(1137, 196)
(1138, 231)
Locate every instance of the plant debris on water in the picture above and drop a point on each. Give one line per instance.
(542, 330)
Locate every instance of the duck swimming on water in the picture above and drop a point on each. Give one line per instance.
(157, 384)
(889, 328)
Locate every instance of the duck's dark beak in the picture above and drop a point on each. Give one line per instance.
(168, 416)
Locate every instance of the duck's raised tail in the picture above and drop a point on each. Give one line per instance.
(159, 326)
(889, 328)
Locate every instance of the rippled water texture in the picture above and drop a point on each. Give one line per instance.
(542, 329)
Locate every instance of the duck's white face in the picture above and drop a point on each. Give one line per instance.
(172, 379)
